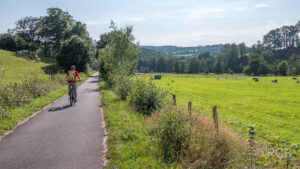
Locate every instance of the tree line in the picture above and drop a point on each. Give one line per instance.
(262, 58)
(282, 38)
(57, 35)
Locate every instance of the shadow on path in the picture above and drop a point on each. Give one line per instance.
(59, 108)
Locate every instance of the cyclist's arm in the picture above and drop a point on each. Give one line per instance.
(77, 74)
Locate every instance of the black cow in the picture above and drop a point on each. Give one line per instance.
(157, 77)
(255, 79)
(274, 81)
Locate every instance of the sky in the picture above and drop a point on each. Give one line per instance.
(168, 22)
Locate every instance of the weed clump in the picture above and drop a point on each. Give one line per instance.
(146, 97)
(173, 133)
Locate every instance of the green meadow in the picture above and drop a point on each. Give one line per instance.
(273, 107)
(17, 69)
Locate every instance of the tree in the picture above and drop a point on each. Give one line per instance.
(268, 56)
(119, 58)
(253, 67)
(194, 65)
(8, 42)
(103, 41)
(177, 67)
(218, 68)
(27, 28)
(263, 68)
(242, 49)
(74, 51)
(283, 68)
(78, 29)
(54, 26)
(233, 61)
(161, 65)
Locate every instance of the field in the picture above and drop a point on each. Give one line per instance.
(18, 69)
(273, 107)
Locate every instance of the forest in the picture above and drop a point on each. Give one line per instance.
(278, 54)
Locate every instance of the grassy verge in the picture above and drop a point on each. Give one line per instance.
(18, 114)
(129, 143)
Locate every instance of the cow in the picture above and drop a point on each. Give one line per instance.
(157, 77)
(274, 81)
(255, 79)
(294, 78)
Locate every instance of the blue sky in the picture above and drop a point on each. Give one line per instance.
(168, 22)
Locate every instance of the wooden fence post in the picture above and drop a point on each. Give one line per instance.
(190, 108)
(2, 73)
(174, 100)
(215, 116)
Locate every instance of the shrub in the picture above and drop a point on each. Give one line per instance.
(146, 97)
(123, 88)
(173, 133)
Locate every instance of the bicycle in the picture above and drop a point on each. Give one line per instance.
(72, 94)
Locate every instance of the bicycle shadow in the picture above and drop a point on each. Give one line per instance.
(59, 108)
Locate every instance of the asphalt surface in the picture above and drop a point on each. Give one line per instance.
(60, 137)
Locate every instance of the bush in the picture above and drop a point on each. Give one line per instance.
(74, 51)
(174, 131)
(146, 97)
(123, 87)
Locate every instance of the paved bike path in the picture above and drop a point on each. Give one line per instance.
(60, 137)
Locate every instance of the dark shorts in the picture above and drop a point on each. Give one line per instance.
(74, 84)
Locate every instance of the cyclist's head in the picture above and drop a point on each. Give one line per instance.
(73, 67)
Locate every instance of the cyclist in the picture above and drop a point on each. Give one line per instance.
(72, 75)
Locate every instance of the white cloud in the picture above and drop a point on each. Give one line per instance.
(241, 9)
(261, 5)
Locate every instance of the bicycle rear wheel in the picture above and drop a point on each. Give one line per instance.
(72, 97)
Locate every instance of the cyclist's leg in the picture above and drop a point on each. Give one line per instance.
(75, 89)
(69, 84)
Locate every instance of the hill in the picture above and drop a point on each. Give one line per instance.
(186, 51)
(20, 68)
(146, 53)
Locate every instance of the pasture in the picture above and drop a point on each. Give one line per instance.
(17, 69)
(273, 107)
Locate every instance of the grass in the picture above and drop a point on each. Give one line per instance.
(274, 108)
(17, 69)
(129, 144)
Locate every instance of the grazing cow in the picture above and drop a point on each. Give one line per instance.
(157, 77)
(297, 81)
(294, 78)
(274, 81)
(37, 59)
(255, 79)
